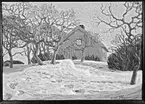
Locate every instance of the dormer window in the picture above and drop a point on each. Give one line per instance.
(79, 42)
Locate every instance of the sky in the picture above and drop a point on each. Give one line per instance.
(85, 12)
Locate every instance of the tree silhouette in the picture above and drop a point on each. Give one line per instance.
(10, 40)
(56, 26)
(130, 26)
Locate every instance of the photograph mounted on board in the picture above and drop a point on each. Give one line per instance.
(72, 50)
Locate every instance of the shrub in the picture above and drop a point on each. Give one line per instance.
(92, 58)
(14, 62)
(42, 57)
(33, 60)
(123, 59)
(59, 57)
(114, 62)
(74, 57)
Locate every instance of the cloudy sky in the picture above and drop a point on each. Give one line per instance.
(85, 11)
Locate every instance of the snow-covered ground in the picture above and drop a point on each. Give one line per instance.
(66, 80)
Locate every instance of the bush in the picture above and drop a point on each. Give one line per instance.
(59, 57)
(42, 57)
(92, 58)
(14, 62)
(7, 63)
(114, 62)
(119, 60)
(74, 57)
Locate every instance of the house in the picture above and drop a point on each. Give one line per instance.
(81, 39)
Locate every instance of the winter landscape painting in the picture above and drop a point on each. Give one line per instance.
(72, 50)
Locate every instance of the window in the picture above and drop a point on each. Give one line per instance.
(79, 42)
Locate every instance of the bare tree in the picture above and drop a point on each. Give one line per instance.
(44, 50)
(27, 52)
(129, 27)
(63, 21)
(27, 24)
(10, 41)
(5, 52)
(81, 44)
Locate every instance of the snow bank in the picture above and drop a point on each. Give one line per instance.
(64, 78)
(35, 78)
(67, 66)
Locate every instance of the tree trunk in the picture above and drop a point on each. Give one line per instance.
(28, 55)
(54, 55)
(70, 54)
(29, 60)
(40, 51)
(82, 58)
(36, 57)
(127, 63)
(136, 68)
(134, 75)
(48, 53)
(132, 65)
(38, 60)
(11, 59)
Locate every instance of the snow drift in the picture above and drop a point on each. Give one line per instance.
(64, 78)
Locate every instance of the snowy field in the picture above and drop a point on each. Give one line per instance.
(66, 80)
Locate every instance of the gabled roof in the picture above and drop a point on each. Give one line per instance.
(84, 31)
(103, 46)
(77, 28)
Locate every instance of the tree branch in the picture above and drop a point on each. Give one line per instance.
(18, 53)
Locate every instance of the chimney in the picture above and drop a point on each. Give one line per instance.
(82, 26)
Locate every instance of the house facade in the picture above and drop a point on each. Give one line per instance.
(80, 40)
